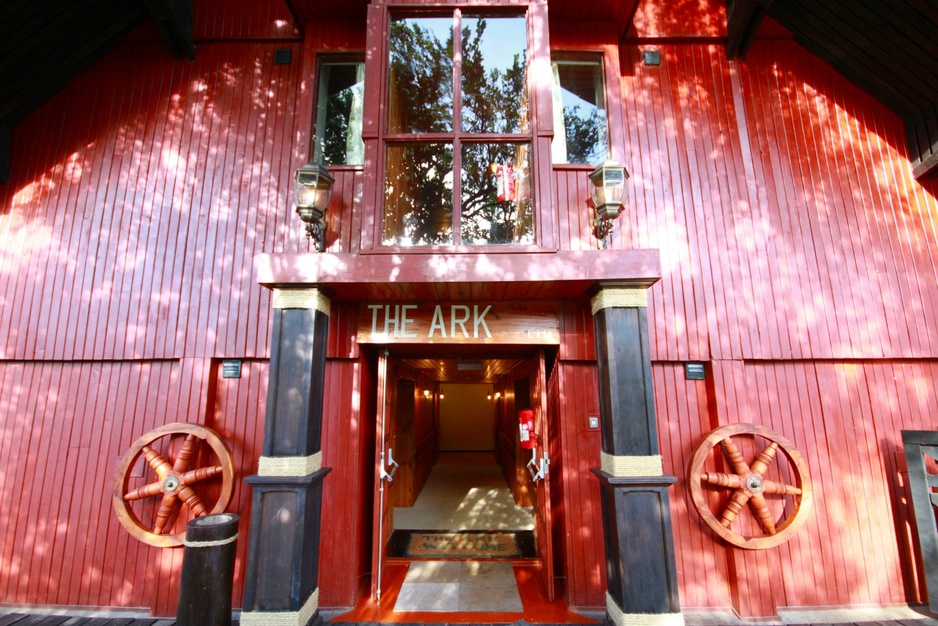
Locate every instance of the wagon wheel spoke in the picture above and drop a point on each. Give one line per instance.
(759, 507)
(156, 460)
(780, 489)
(719, 479)
(765, 458)
(185, 454)
(193, 501)
(165, 512)
(203, 473)
(733, 507)
(735, 457)
(147, 491)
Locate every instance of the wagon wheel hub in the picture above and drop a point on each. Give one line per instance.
(180, 482)
(750, 487)
(754, 484)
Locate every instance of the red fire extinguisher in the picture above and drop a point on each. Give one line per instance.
(504, 181)
(526, 423)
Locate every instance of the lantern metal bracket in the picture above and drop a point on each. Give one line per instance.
(603, 227)
(315, 233)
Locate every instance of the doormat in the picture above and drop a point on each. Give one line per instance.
(462, 544)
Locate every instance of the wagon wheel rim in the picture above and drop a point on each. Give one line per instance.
(750, 488)
(174, 482)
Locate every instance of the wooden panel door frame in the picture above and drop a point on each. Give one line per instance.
(383, 521)
(543, 515)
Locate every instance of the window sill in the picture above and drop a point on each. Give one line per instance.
(482, 249)
(575, 167)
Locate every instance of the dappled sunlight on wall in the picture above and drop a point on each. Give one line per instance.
(65, 427)
(132, 219)
(784, 207)
(845, 419)
(680, 18)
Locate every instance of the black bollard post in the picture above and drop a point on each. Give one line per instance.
(208, 571)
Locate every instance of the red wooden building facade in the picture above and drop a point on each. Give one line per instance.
(149, 214)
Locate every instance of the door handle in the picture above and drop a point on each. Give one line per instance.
(392, 465)
(538, 469)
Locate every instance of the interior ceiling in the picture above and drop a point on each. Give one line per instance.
(464, 370)
(475, 364)
(889, 49)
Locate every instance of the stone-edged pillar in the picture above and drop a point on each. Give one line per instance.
(281, 583)
(640, 566)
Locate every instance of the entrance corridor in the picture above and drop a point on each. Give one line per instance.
(465, 492)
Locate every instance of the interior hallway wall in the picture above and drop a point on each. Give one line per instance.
(466, 418)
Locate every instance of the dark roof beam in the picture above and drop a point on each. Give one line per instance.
(743, 18)
(6, 147)
(174, 19)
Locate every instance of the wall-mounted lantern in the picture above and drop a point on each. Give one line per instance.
(608, 192)
(313, 192)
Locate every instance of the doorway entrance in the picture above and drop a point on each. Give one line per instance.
(462, 518)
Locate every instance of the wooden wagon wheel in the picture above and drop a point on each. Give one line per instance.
(174, 484)
(750, 486)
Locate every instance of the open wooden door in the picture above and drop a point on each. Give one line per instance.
(539, 467)
(385, 468)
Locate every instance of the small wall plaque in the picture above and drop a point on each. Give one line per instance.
(651, 57)
(695, 371)
(231, 368)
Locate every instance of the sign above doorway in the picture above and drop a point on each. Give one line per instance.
(460, 323)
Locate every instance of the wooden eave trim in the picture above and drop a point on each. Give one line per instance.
(926, 168)
(637, 268)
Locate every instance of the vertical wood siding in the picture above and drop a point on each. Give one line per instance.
(348, 444)
(782, 201)
(141, 194)
(582, 551)
(134, 238)
(683, 420)
(65, 426)
(846, 419)
(798, 257)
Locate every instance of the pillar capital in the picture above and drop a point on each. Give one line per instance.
(311, 299)
(618, 297)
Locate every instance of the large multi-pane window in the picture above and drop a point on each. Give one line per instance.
(457, 137)
(580, 130)
(339, 113)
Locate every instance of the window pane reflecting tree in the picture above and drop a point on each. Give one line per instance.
(420, 97)
(494, 98)
(339, 114)
(496, 202)
(580, 112)
(482, 131)
(418, 195)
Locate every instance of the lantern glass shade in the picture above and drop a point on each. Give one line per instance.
(608, 189)
(313, 190)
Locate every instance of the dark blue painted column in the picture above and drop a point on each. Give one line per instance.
(281, 585)
(640, 565)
